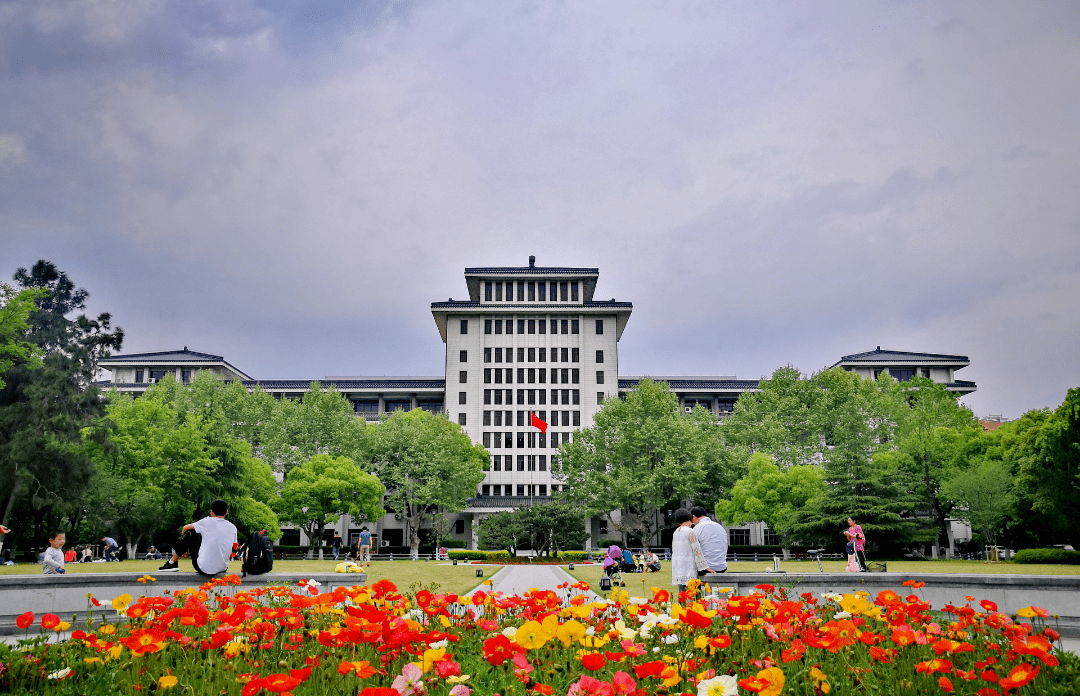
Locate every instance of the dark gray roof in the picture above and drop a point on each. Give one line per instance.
(563, 270)
(350, 384)
(709, 384)
(167, 355)
(880, 355)
(533, 306)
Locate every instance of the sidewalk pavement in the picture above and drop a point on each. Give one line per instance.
(519, 579)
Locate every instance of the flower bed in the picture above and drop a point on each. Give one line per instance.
(378, 641)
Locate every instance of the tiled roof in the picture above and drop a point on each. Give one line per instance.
(695, 383)
(880, 355)
(168, 355)
(532, 269)
(350, 384)
(533, 306)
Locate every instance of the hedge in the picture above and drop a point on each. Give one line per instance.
(1055, 556)
(504, 557)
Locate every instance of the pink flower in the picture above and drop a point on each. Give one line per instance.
(410, 681)
(588, 686)
(623, 683)
(460, 690)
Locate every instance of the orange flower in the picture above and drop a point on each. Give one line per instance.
(945, 684)
(914, 583)
(935, 665)
(1019, 676)
(363, 669)
(882, 655)
(903, 635)
(768, 682)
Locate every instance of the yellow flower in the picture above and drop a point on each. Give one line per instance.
(63, 626)
(92, 660)
(146, 578)
(121, 602)
(775, 676)
(167, 682)
(458, 679)
(115, 651)
(531, 635)
(580, 612)
(550, 624)
(570, 631)
(594, 641)
(670, 675)
(820, 680)
(855, 604)
(430, 657)
(106, 629)
(445, 622)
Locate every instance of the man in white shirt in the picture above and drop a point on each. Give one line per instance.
(713, 539)
(210, 541)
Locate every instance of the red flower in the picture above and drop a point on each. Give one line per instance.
(945, 684)
(379, 691)
(1019, 676)
(650, 669)
(448, 668)
(593, 661)
(692, 618)
(279, 683)
(721, 641)
(882, 655)
(988, 605)
(794, 653)
(49, 621)
(498, 649)
(25, 620)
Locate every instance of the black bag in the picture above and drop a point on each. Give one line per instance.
(257, 555)
(850, 548)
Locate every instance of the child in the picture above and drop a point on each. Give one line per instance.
(53, 562)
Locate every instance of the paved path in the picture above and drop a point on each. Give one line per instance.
(519, 579)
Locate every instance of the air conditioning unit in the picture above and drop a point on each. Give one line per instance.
(689, 409)
(151, 380)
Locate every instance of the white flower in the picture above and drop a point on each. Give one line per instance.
(724, 685)
(60, 673)
(510, 632)
(832, 595)
(439, 644)
(314, 583)
(656, 649)
(840, 615)
(638, 600)
(671, 638)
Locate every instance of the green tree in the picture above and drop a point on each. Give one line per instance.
(553, 527)
(317, 492)
(15, 308)
(772, 496)
(45, 471)
(426, 463)
(981, 495)
(642, 455)
(321, 422)
(503, 530)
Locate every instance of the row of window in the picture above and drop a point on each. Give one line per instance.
(532, 375)
(531, 291)
(391, 405)
(530, 355)
(523, 489)
(532, 397)
(158, 375)
(525, 462)
(532, 439)
(569, 419)
(741, 537)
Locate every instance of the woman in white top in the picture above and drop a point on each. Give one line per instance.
(686, 556)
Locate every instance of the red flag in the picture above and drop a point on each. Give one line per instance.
(536, 422)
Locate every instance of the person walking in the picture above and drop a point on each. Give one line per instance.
(335, 546)
(686, 558)
(713, 538)
(364, 546)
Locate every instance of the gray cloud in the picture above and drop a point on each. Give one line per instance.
(291, 186)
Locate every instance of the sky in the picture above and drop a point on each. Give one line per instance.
(290, 185)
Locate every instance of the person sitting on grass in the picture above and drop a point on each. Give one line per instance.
(210, 541)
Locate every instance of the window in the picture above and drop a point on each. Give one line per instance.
(509, 375)
(577, 397)
(566, 419)
(498, 419)
(498, 355)
(521, 326)
(521, 355)
(487, 355)
(498, 396)
(487, 392)
(487, 417)
(543, 396)
(509, 396)
(541, 291)
(509, 326)
(463, 356)
(543, 438)
(565, 323)
(532, 462)
(463, 376)
(926, 372)
(487, 291)
(543, 463)
(562, 292)
(575, 375)
(485, 490)
(461, 419)
(554, 375)
(521, 489)
(521, 462)
(487, 326)
(461, 398)
(543, 354)
(599, 327)
(138, 376)
(521, 292)
(573, 326)
(542, 326)
(185, 376)
(487, 375)
(459, 526)
(521, 419)
(577, 418)
(157, 375)
(498, 292)
(599, 376)
(599, 356)
(573, 292)
(902, 374)
(496, 462)
(521, 396)
(551, 292)
(509, 353)
(532, 375)
(543, 486)
(599, 398)
(770, 538)
(532, 326)
(367, 407)
(532, 293)
(739, 537)
(498, 326)
(487, 441)
(532, 355)
(464, 326)
(498, 440)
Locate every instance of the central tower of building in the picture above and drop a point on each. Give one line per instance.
(528, 339)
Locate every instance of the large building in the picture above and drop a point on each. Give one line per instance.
(528, 339)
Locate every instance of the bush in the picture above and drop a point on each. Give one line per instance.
(478, 555)
(1055, 556)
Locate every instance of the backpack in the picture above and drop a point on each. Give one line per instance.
(257, 555)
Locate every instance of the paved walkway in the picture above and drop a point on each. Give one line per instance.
(519, 579)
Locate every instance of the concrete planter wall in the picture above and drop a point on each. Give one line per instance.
(65, 595)
(1058, 594)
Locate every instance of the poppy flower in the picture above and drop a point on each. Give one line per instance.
(25, 620)
(945, 684)
(593, 661)
(498, 649)
(650, 669)
(280, 683)
(50, 621)
(167, 682)
(988, 605)
(1019, 676)
(531, 635)
(379, 691)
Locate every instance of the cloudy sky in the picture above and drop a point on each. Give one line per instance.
(291, 185)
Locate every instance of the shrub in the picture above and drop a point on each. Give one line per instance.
(1055, 556)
